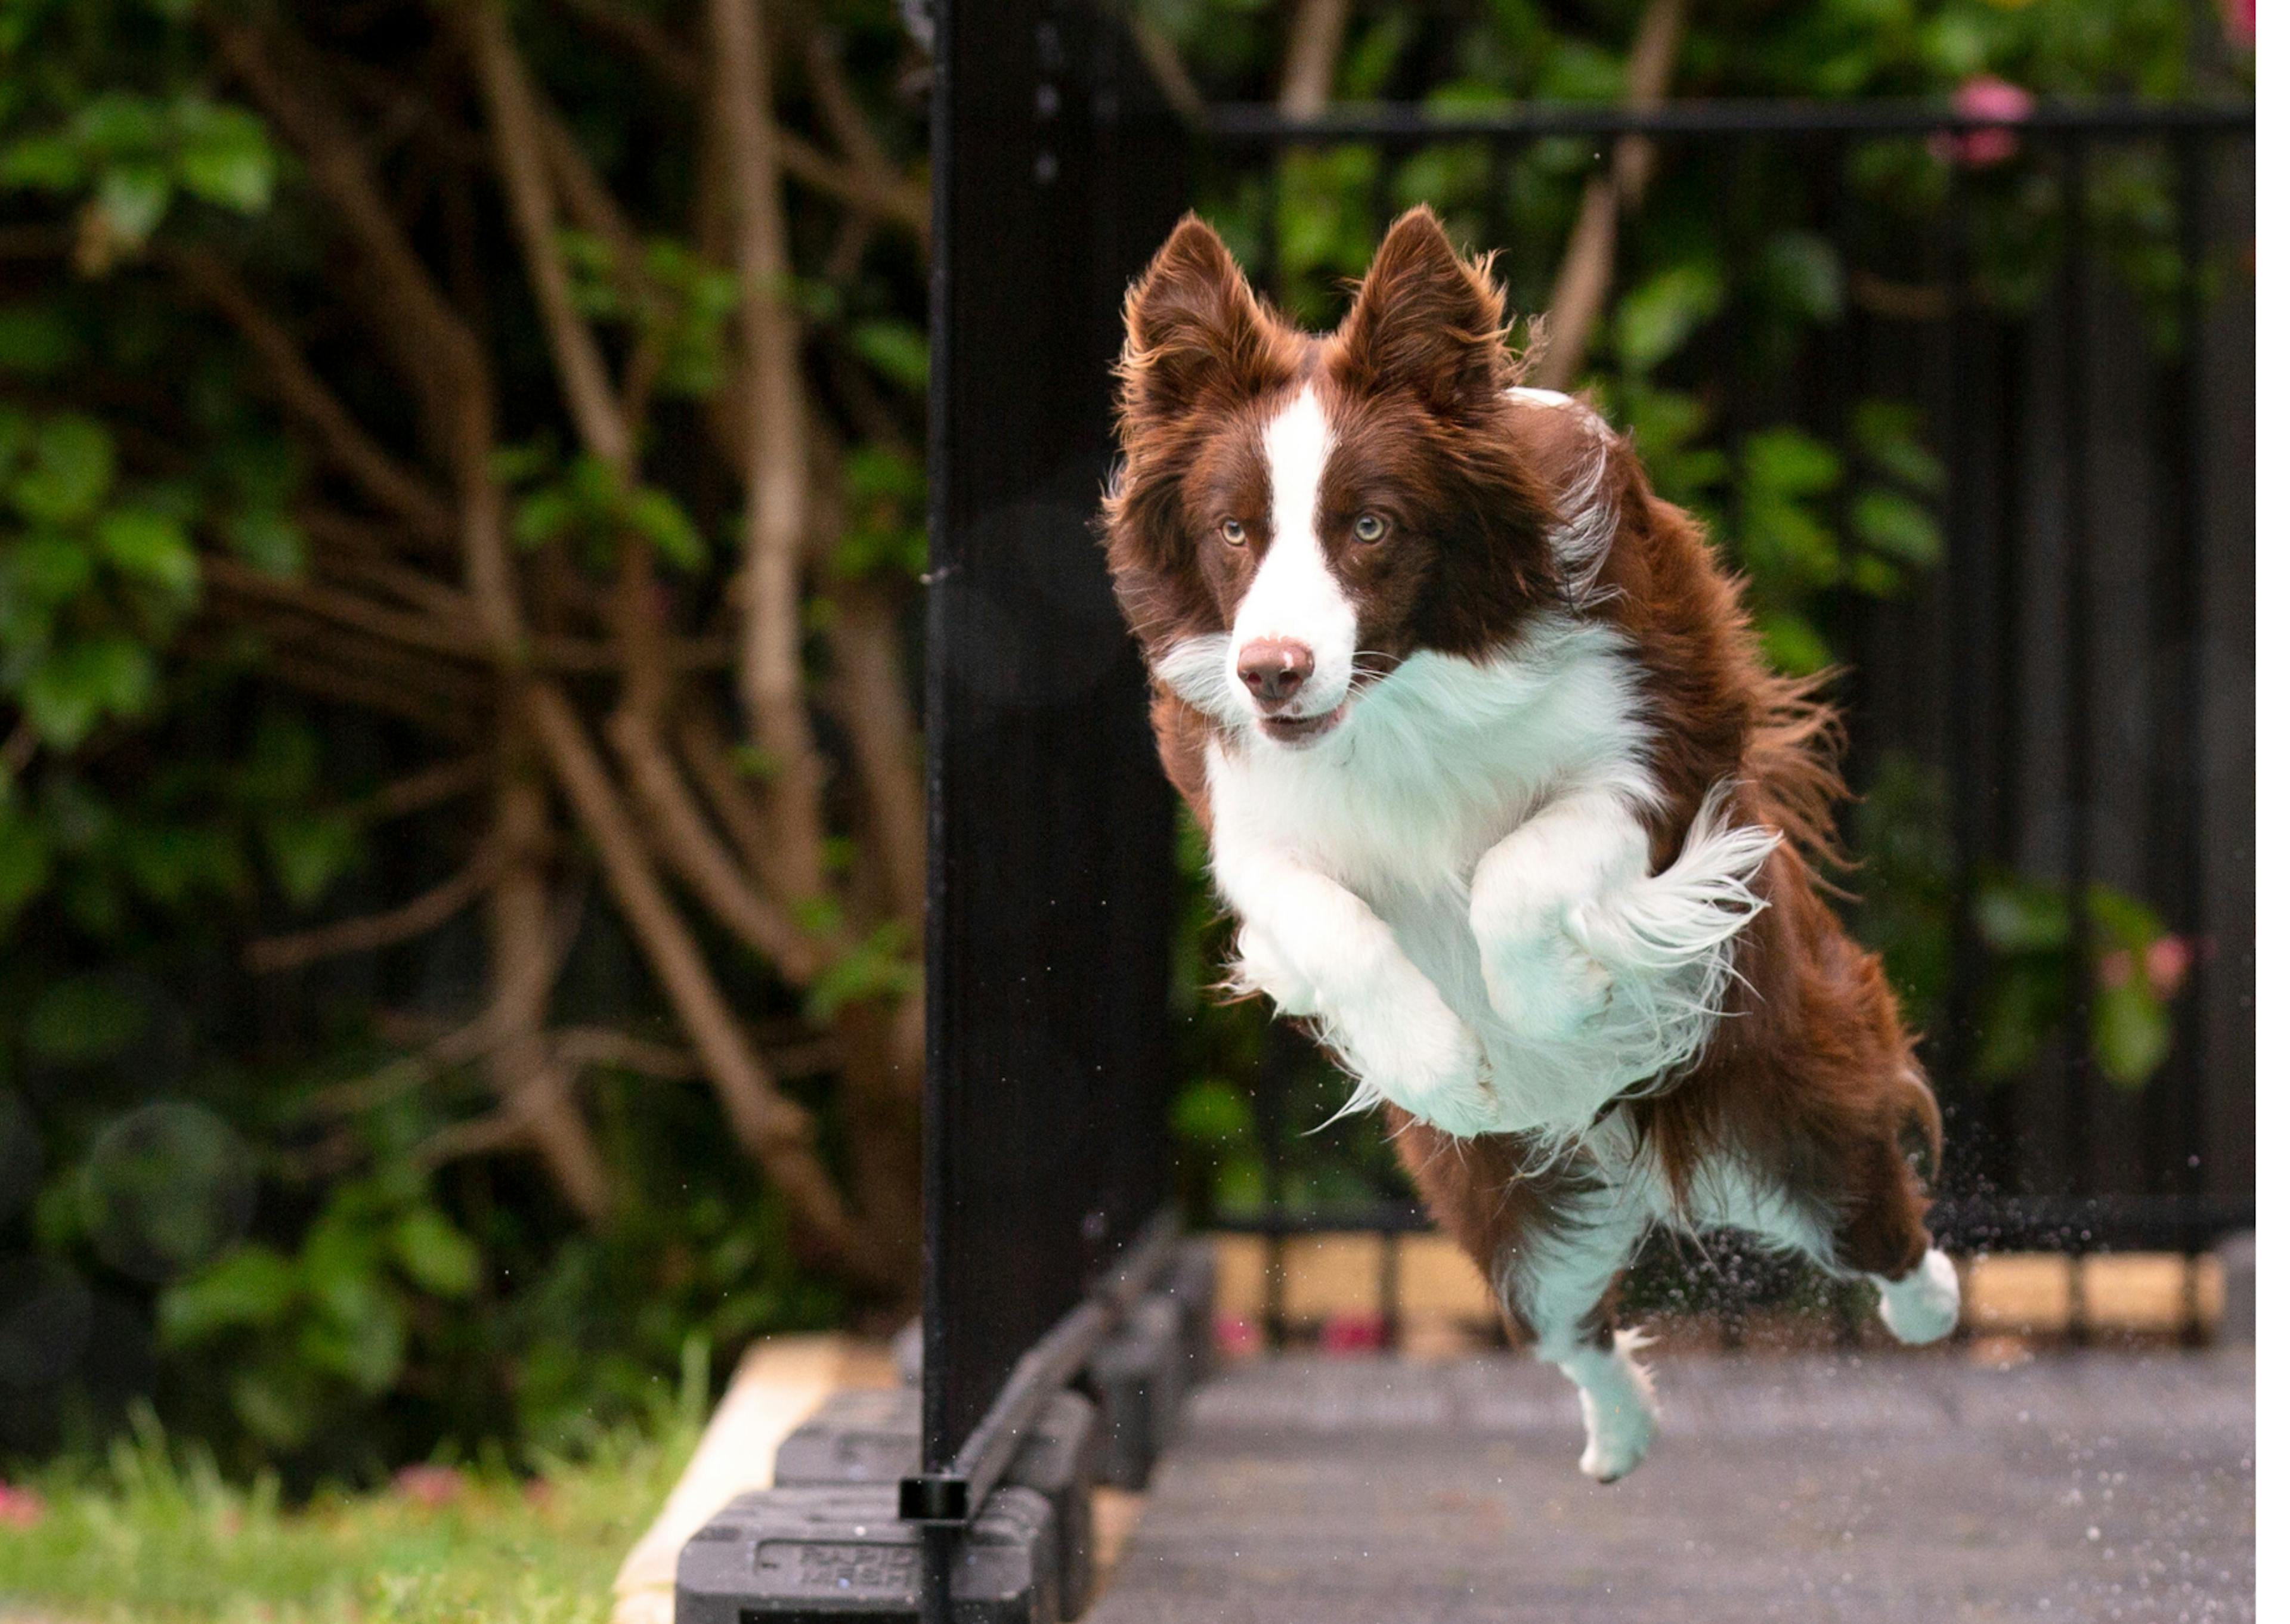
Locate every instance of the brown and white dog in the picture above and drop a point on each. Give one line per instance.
(1505, 800)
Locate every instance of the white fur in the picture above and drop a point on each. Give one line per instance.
(1921, 1306)
(1501, 960)
(1296, 594)
(1555, 1286)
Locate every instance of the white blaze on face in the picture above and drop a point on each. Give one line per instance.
(1295, 594)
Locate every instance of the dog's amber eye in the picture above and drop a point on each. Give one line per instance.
(1235, 533)
(1370, 527)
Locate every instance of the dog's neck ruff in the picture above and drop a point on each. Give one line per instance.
(1436, 760)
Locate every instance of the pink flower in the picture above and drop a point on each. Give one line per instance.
(1238, 1336)
(21, 1508)
(2168, 960)
(2241, 18)
(1352, 1333)
(429, 1486)
(1985, 96)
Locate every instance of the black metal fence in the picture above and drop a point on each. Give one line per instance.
(2052, 714)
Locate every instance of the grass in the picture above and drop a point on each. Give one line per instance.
(154, 1534)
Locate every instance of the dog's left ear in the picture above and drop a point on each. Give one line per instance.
(1426, 320)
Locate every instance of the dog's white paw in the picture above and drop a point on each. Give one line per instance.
(1921, 1306)
(1259, 966)
(1541, 981)
(1618, 1413)
(1407, 1045)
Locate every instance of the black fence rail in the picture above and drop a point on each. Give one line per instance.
(2050, 706)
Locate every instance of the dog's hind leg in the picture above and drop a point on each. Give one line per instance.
(1549, 1232)
(1863, 1215)
(1560, 1286)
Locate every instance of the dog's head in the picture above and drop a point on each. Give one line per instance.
(1296, 515)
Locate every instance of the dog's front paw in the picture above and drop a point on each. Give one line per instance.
(1541, 981)
(1407, 1045)
(1261, 967)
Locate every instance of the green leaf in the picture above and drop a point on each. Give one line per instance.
(150, 547)
(2016, 915)
(78, 685)
(543, 517)
(1886, 433)
(48, 568)
(70, 473)
(308, 852)
(82, 1020)
(2025, 1002)
(1790, 463)
(365, 1345)
(43, 163)
(1210, 1111)
(1656, 317)
(1803, 271)
(170, 862)
(249, 1286)
(116, 125)
(2130, 1032)
(898, 350)
(655, 516)
(267, 540)
(134, 197)
(1792, 643)
(876, 968)
(1897, 526)
(435, 1255)
(225, 157)
(276, 1409)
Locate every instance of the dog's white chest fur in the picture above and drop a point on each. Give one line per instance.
(1455, 884)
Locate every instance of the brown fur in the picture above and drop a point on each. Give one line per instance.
(1812, 1079)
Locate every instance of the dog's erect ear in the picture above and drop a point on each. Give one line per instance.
(1194, 330)
(1427, 320)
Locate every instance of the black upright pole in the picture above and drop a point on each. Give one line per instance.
(1055, 171)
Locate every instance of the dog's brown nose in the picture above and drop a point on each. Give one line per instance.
(1274, 669)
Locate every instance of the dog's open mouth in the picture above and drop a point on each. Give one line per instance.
(1301, 730)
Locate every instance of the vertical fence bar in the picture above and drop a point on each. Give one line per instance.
(1967, 621)
(1275, 1074)
(2075, 507)
(2190, 152)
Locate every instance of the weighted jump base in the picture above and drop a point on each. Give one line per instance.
(874, 1436)
(811, 1555)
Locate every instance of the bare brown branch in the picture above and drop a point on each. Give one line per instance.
(775, 1131)
(1316, 41)
(1587, 271)
(521, 153)
(303, 393)
(367, 934)
(777, 472)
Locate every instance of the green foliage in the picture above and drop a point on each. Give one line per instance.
(2129, 970)
(588, 507)
(306, 1332)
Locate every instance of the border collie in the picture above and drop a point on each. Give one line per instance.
(1505, 801)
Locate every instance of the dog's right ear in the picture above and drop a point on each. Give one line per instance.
(1195, 331)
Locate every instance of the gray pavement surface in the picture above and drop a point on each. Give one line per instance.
(1886, 1487)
